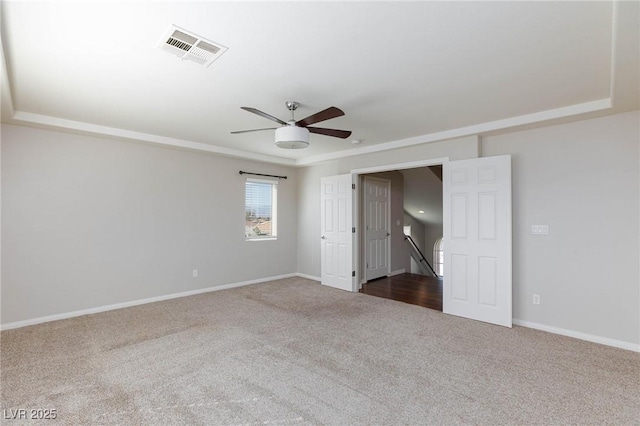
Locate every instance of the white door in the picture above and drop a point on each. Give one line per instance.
(376, 227)
(336, 236)
(477, 239)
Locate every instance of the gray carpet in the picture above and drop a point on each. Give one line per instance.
(293, 352)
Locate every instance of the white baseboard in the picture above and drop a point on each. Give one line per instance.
(397, 272)
(578, 335)
(309, 277)
(56, 317)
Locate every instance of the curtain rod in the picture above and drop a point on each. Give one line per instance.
(260, 174)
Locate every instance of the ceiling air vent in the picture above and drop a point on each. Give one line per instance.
(189, 46)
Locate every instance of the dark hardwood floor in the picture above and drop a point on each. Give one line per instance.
(409, 288)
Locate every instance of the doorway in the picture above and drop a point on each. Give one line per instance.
(415, 202)
(414, 224)
(477, 235)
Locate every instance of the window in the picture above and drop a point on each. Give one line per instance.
(438, 257)
(261, 207)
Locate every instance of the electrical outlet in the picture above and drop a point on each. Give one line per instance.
(195, 273)
(536, 299)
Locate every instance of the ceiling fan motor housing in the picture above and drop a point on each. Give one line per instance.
(292, 137)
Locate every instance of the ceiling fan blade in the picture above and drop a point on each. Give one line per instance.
(265, 115)
(253, 130)
(330, 132)
(327, 114)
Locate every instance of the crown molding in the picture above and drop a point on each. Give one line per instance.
(78, 126)
(537, 117)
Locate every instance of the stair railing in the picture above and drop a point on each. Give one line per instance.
(422, 258)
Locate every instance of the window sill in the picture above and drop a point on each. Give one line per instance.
(261, 239)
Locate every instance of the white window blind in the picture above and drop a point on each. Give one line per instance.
(261, 209)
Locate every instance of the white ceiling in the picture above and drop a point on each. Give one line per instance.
(403, 72)
(423, 193)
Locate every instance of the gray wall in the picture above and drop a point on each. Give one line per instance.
(582, 180)
(433, 230)
(417, 234)
(424, 190)
(88, 222)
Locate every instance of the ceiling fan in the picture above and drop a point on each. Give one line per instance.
(295, 134)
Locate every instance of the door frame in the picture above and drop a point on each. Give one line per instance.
(358, 195)
(364, 221)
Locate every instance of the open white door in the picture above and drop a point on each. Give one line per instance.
(477, 239)
(336, 236)
(377, 204)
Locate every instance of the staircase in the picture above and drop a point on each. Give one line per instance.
(416, 254)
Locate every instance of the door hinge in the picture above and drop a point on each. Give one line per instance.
(353, 230)
(353, 273)
(353, 186)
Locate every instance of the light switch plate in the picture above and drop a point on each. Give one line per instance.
(539, 229)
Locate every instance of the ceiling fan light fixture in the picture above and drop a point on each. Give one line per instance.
(292, 137)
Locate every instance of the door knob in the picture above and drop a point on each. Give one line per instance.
(388, 234)
(323, 237)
